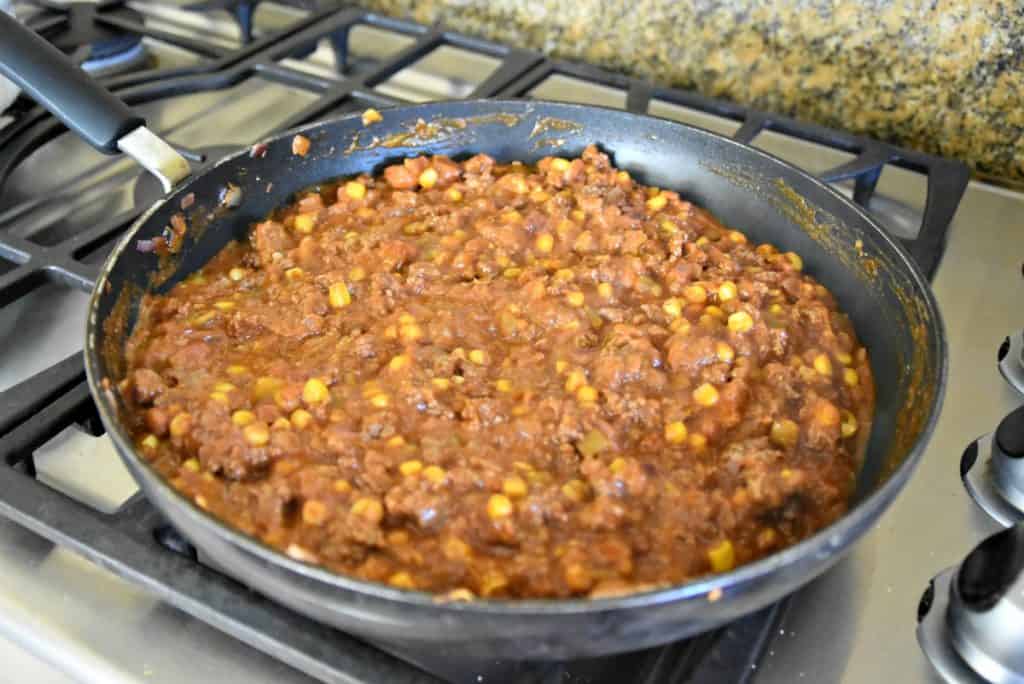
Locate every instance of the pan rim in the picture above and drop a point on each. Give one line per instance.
(830, 541)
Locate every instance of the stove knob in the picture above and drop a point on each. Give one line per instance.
(1008, 458)
(985, 614)
(1011, 360)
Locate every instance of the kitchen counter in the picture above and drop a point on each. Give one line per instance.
(946, 77)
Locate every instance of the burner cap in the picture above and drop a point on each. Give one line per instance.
(110, 49)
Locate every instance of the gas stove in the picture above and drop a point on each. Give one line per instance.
(106, 592)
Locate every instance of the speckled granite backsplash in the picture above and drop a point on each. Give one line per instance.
(944, 76)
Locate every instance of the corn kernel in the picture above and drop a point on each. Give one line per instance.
(785, 433)
(706, 395)
(825, 413)
(428, 178)
(847, 424)
(722, 557)
(676, 432)
(560, 165)
(740, 322)
(304, 223)
(617, 465)
(236, 369)
(679, 326)
(180, 425)
(561, 365)
(575, 298)
(458, 379)
(701, 241)
(224, 387)
(191, 465)
(545, 243)
(850, 377)
(314, 512)
(714, 311)
(369, 508)
(301, 419)
(281, 423)
(727, 291)
(380, 400)
(371, 116)
(441, 383)
(399, 362)
(294, 273)
(503, 385)
(575, 490)
(795, 260)
(724, 352)
(605, 290)
(478, 356)
(339, 296)
(695, 294)
(242, 418)
(355, 190)
(435, 474)
(402, 580)
(315, 391)
(342, 486)
(657, 203)
(410, 332)
(411, 467)
(775, 308)
(265, 387)
(256, 434)
(454, 194)
(564, 275)
(575, 380)
(396, 441)
(844, 358)
(455, 549)
(698, 442)
(150, 442)
(514, 486)
(236, 274)
(356, 274)
(737, 237)
(823, 365)
(673, 307)
(586, 394)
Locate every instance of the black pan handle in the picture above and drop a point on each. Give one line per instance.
(86, 107)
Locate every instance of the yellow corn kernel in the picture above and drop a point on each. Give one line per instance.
(795, 260)
(396, 441)
(294, 273)
(706, 395)
(191, 464)
(695, 294)
(698, 442)
(560, 165)
(435, 474)
(740, 322)
(454, 194)
(676, 432)
(339, 296)
(727, 291)
(513, 272)
(236, 369)
(342, 486)
(586, 394)
(441, 383)
(265, 387)
(371, 116)
(315, 391)
(314, 512)
(256, 434)
(657, 203)
(242, 418)
(503, 385)
(545, 243)
(369, 508)
(737, 237)
(673, 307)
(499, 506)
(561, 365)
(410, 332)
(823, 365)
(575, 380)
(304, 223)
(402, 579)
(847, 424)
(224, 305)
(355, 190)
(411, 467)
(680, 326)
(724, 352)
(617, 465)
(605, 290)
(775, 308)
(714, 311)
(236, 274)
(224, 387)
(575, 490)
(458, 379)
(701, 241)
(281, 424)
(399, 362)
(850, 377)
(785, 433)
(575, 298)
(455, 549)
(181, 424)
(380, 400)
(844, 358)
(478, 356)
(669, 228)
(825, 413)
(301, 419)
(428, 178)
(220, 398)
(514, 486)
(564, 275)
(150, 442)
(722, 557)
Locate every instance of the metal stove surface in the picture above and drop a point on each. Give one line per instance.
(66, 619)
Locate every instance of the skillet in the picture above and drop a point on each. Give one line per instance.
(873, 278)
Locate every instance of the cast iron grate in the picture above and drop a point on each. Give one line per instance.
(36, 410)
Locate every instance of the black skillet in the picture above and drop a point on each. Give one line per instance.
(872, 276)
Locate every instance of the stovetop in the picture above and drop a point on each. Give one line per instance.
(64, 204)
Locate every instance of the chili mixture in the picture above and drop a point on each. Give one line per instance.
(497, 380)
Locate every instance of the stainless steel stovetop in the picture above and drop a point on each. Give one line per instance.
(64, 619)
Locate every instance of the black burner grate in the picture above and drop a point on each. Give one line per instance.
(134, 542)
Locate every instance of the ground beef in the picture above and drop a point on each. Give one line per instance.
(504, 381)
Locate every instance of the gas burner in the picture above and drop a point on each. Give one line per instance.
(101, 48)
(996, 483)
(1011, 360)
(970, 617)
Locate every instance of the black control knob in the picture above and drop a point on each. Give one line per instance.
(1008, 459)
(1011, 360)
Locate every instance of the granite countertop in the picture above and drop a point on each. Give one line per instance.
(943, 76)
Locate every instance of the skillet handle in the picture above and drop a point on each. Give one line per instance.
(86, 107)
